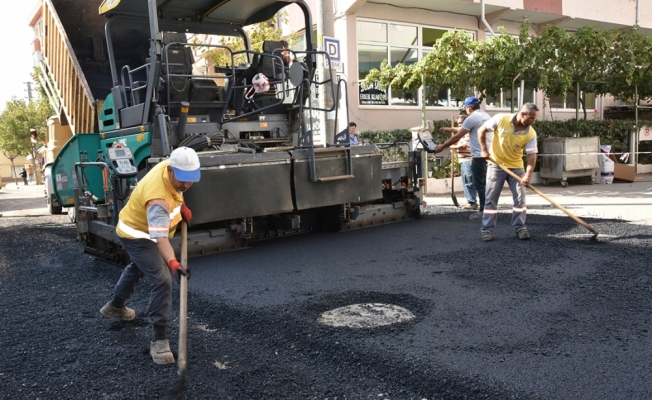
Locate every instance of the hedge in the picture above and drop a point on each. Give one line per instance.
(612, 132)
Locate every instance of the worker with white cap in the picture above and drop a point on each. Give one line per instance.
(147, 222)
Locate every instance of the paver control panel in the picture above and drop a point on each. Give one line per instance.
(122, 161)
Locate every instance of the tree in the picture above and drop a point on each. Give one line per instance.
(590, 53)
(630, 65)
(258, 33)
(447, 65)
(575, 62)
(501, 60)
(11, 158)
(15, 124)
(591, 60)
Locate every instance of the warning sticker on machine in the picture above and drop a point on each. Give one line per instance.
(62, 181)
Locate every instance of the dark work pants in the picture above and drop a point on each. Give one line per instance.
(146, 258)
(467, 182)
(479, 172)
(496, 178)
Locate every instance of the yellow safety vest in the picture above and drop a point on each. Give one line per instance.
(155, 185)
(507, 147)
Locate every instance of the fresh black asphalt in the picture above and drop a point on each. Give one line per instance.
(555, 317)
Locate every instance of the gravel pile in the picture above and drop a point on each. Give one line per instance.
(57, 346)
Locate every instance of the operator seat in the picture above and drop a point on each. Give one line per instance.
(270, 66)
(274, 70)
(177, 60)
(180, 61)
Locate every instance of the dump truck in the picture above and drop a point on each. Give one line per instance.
(126, 81)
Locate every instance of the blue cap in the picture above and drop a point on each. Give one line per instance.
(471, 101)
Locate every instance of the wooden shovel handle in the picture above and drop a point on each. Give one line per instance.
(554, 203)
(183, 301)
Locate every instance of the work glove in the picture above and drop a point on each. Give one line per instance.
(186, 214)
(177, 270)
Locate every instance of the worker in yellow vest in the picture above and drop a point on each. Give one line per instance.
(513, 135)
(147, 222)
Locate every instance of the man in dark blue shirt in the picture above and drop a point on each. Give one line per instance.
(341, 137)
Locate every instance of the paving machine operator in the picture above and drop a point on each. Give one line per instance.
(146, 224)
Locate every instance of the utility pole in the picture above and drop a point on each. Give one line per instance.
(29, 91)
(325, 27)
(33, 138)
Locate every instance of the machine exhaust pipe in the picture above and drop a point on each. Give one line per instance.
(183, 120)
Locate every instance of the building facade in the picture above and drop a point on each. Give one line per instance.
(403, 31)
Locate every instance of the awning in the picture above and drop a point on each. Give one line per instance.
(235, 11)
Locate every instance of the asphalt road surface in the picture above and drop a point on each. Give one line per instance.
(560, 316)
(21, 202)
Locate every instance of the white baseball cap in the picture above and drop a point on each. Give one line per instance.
(185, 163)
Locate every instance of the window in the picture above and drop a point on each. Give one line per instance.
(504, 99)
(399, 43)
(570, 103)
(444, 97)
(300, 40)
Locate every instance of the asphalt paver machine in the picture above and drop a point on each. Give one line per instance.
(264, 174)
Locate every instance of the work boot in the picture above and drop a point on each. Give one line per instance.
(476, 215)
(160, 352)
(487, 237)
(523, 234)
(470, 206)
(111, 312)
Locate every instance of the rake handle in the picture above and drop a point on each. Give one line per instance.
(540, 193)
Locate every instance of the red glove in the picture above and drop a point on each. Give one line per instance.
(186, 214)
(177, 270)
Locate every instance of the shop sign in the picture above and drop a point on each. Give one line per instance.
(372, 95)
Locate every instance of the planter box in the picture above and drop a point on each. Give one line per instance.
(536, 179)
(644, 168)
(443, 186)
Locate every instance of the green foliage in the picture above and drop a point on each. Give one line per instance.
(611, 132)
(557, 62)
(630, 65)
(392, 143)
(501, 59)
(16, 121)
(258, 33)
(449, 64)
(405, 135)
(391, 136)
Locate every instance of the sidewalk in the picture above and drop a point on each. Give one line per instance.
(32, 187)
(619, 200)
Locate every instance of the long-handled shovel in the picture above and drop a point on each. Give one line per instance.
(453, 168)
(176, 391)
(554, 203)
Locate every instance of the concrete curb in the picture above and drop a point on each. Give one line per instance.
(22, 188)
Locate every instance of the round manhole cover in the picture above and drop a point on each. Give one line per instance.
(367, 315)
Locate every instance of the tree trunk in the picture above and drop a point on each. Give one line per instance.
(13, 171)
(423, 102)
(37, 174)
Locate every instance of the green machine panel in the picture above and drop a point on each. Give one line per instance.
(138, 143)
(64, 179)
